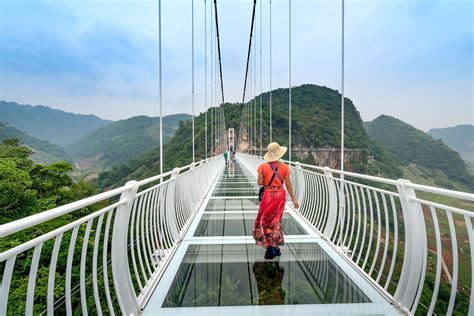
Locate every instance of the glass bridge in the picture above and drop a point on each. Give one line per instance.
(219, 269)
(180, 243)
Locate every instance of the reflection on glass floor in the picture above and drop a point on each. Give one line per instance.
(233, 275)
(240, 224)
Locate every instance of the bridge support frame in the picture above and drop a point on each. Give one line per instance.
(332, 200)
(126, 295)
(411, 279)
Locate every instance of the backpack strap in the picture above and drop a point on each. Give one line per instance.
(275, 172)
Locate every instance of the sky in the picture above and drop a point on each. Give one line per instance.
(412, 59)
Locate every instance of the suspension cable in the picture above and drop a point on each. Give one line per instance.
(205, 76)
(192, 67)
(261, 81)
(255, 96)
(219, 50)
(342, 92)
(160, 90)
(271, 71)
(249, 49)
(289, 80)
(211, 109)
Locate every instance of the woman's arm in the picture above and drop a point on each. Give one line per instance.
(260, 180)
(289, 187)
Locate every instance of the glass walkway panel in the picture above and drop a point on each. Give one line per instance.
(219, 270)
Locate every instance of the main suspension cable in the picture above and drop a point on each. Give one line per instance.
(249, 49)
(219, 49)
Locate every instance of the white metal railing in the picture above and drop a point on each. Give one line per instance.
(111, 249)
(412, 241)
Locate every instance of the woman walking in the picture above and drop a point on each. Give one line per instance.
(272, 175)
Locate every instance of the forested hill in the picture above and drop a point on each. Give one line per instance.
(316, 124)
(460, 138)
(316, 118)
(56, 126)
(43, 151)
(422, 155)
(123, 140)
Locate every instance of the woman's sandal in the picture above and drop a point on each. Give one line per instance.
(270, 253)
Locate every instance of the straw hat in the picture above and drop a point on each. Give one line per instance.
(274, 152)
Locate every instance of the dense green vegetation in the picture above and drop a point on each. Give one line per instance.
(459, 138)
(412, 146)
(27, 188)
(123, 140)
(58, 127)
(43, 151)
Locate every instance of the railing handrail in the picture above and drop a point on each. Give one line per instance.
(39, 218)
(418, 187)
(44, 216)
(389, 236)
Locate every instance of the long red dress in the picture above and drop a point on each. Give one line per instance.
(267, 228)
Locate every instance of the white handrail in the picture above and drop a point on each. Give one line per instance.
(386, 234)
(134, 237)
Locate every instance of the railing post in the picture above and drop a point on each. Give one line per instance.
(170, 205)
(415, 244)
(126, 295)
(332, 200)
(300, 183)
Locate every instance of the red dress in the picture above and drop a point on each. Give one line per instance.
(267, 228)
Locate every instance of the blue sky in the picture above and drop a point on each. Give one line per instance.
(412, 59)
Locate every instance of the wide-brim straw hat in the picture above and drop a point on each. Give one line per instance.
(274, 152)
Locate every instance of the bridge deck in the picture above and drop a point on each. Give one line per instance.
(218, 269)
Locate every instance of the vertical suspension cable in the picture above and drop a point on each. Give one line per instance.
(205, 76)
(342, 92)
(271, 138)
(249, 107)
(341, 188)
(216, 104)
(289, 80)
(261, 81)
(192, 68)
(255, 96)
(160, 90)
(211, 109)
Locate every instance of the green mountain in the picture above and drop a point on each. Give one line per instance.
(424, 158)
(123, 140)
(316, 126)
(43, 151)
(55, 126)
(459, 138)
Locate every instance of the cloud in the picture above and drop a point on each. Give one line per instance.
(411, 59)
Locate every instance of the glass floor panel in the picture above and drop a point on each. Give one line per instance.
(238, 224)
(241, 178)
(236, 275)
(235, 192)
(232, 205)
(236, 185)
